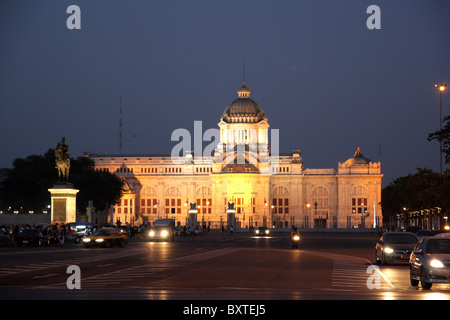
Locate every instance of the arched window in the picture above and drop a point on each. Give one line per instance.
(319, 195)
(149, 201)
(280, 200)
(359, 200)
(204, 200)
(172, 201)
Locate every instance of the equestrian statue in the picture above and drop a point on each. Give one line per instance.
(62, 160)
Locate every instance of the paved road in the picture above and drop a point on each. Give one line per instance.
(212, 267)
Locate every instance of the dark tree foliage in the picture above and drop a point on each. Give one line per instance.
(26, 185)
(422, 190)
(444, 136)
(103, 187)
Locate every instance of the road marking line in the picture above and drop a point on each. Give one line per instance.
(45, 276)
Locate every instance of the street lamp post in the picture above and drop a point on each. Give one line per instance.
(156, 206)
(264, 218)
(315, 215)
(441, 87)
(308, 205)
(272, 207)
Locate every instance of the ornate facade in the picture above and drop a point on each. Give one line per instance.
(266, 188)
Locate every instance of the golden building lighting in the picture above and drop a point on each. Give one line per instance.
(266, 188)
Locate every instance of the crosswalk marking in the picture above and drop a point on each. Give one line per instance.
(351, 272)
(6, 271)
(142, 271)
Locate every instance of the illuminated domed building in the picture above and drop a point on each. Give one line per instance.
(265, 186)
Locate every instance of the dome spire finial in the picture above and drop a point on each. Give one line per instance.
(358, 154)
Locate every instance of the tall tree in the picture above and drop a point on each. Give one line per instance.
(103, 187)
(444, 137)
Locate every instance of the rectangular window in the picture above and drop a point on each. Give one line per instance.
(280, 206)
(359, 205)
(148, 206)
(173, 206)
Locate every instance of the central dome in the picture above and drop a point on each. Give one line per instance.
(244, 109)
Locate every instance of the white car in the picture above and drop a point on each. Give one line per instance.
(163, 229)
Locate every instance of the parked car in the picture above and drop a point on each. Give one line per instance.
(430, 261)
(395, 247)
(105, 237)
(4, 237)
(32, 236)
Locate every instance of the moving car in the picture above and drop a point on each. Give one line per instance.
(262, 231)
(163, 229)
(106, 237)
(32, 237)
(395, 247)
(430, 261)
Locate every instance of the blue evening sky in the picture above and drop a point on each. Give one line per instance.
(327, 82)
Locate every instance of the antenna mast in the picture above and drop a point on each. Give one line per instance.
(120, 127)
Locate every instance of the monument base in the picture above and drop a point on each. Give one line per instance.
(63, 202)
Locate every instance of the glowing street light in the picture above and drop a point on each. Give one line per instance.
(441, 87)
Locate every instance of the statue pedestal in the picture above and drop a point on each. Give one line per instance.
(63, 203)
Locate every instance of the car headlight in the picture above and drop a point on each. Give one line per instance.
(267, 231)
(99, 240)
(436, 264)
(151, 233)
(257, 231)
(388, 250)
(164, 233)
(86, 240)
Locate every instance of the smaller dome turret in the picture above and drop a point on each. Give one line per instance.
(357, 159)
(244, 92)
(127, 188)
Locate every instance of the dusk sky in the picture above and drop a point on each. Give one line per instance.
(327, 82)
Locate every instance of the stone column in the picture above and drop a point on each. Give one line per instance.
(63, 203)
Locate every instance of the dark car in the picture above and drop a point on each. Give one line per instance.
(425, 233)
(395, 247)
(262, 231)
(4, 238)
(106, 237)
(413, 229)
(32, 237)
